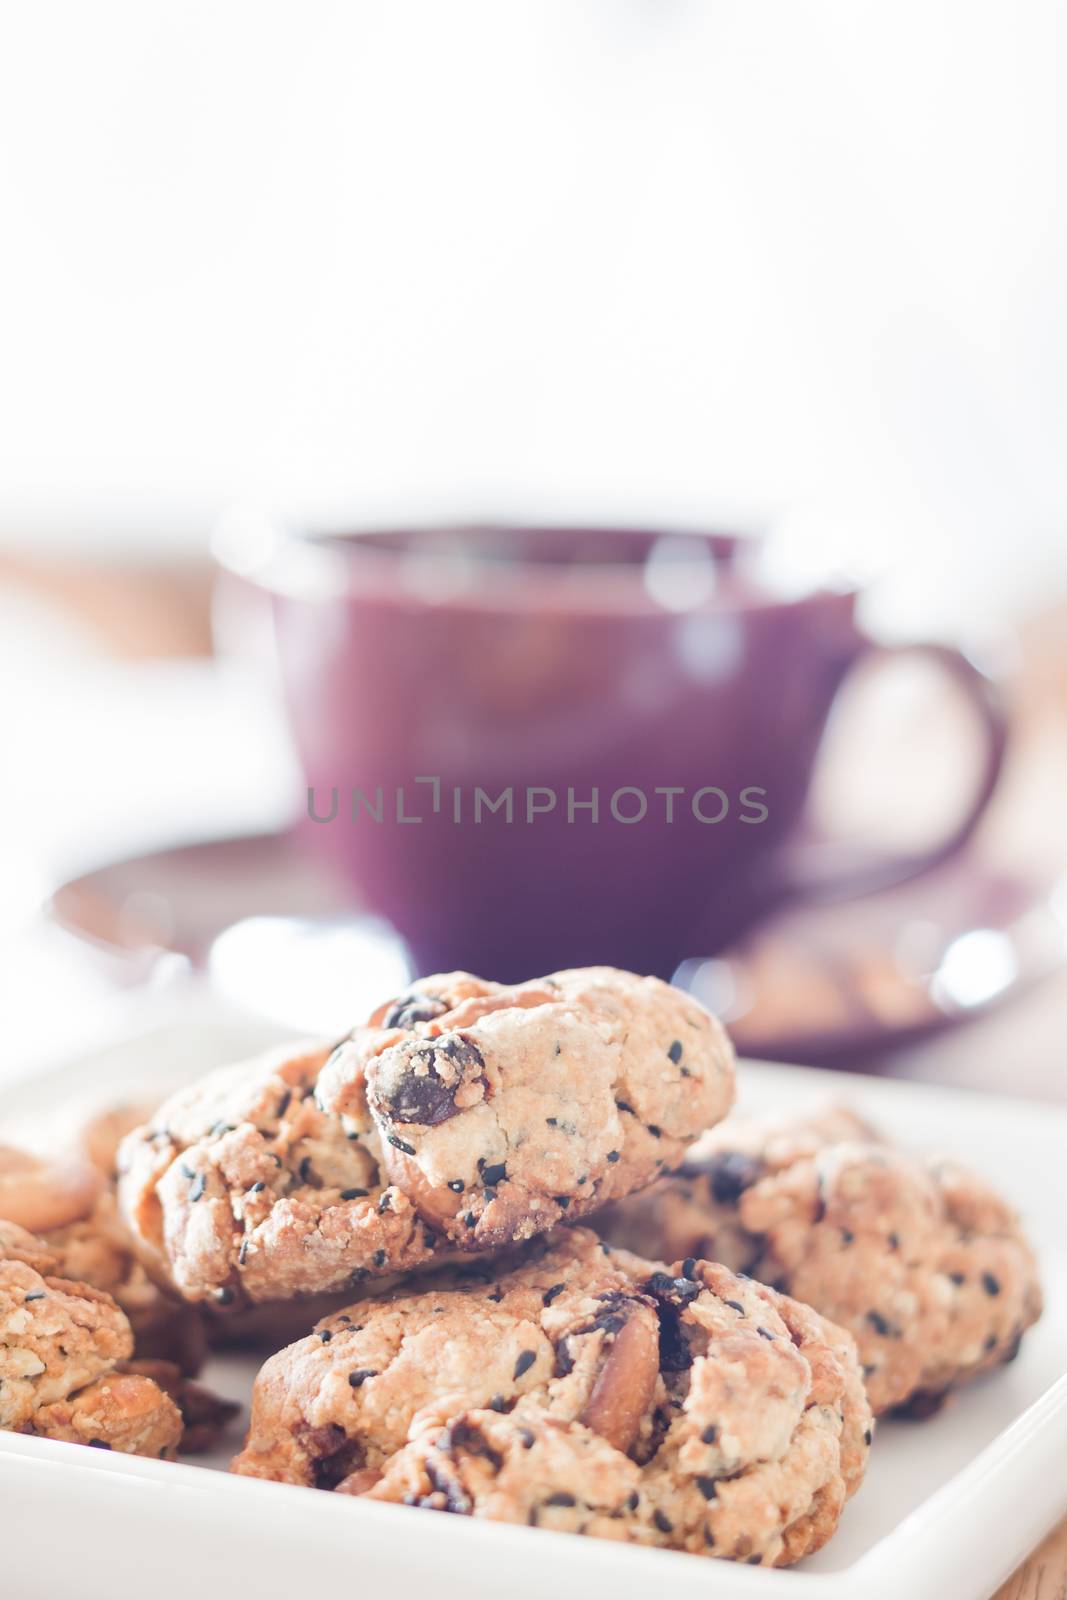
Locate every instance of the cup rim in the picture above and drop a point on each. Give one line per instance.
(288, 558)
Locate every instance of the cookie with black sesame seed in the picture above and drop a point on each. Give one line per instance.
(242, 1189)
(464, 1116)
(573, 1387)
(558, 1324)
(60, 1344)
(926, 1265)
(503, 1111)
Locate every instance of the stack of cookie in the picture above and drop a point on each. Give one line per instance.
(547, 1293)
(527, 1371)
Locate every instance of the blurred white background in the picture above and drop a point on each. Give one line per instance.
(665, 257)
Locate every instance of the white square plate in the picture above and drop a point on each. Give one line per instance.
(949, 1507)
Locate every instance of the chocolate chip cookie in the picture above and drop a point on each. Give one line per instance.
(923, 1262)
(574, 1387)
(60, 1346)
(464, 1116)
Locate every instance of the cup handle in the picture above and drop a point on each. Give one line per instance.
(814, 871)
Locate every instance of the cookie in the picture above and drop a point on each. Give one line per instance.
(39, 1194)
(923, 1262)
(204, 1414)
(60, 1344)
(574, 1387)
(345, 1396)
(464, 1116)
(70, 1204)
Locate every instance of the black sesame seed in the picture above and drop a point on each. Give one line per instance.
(894, 1241)
(305, 1169)
(354, 1194)
(498, 1403)
(401, 1144)
(494, 1174)
(197, 1187)
(551, 1294)
(186, 1172)
(689, 1266)
(765, 1333)
(633, 1500)
(378, 1258)
(957, 1277)
(527, 1437)
(325, 1335)
(359, 1377)
(675, 1051)
(283, 1103)
(99, 1444)
(561, 1498)
(385, 1203)
(224, 1296)
(735, 1305)
(242, 1254)
(456, 1185)
(662, 1521)
(754, 1561)
(470, 1219)
(624, 1105)
(653, 1130)
(710, 1434)
(878, 1323)
(37, 1294)
(257, 1186)
(524, 1363)
(868, 1436)
(613, 1155)
(562, 1200)
(847, 1236)
(553, 1122)
(708, 1487)
(990, 1284)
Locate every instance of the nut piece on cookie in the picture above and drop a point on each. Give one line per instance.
(920, 1260)
(465, 1115)
(572, 1387)
(60, 1344)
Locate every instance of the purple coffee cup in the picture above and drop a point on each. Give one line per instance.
(532, 748)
